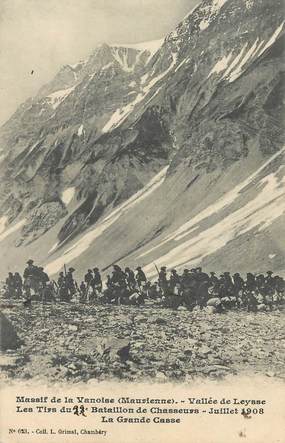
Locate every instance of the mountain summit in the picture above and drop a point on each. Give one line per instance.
(170, 152)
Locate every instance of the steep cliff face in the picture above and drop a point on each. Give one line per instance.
(173, 155)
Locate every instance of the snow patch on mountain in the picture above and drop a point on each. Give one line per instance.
(33, 147)
(68, 195)
(235, 61)
(273, 38)
(204, 24)
(80, 130)
(85, 242)
(58, 97)
(53, 248)
(221, 65)
(3, 222)
(238, 65)
(180, 64)
(236, 73)
(12, 229)
(104, 68)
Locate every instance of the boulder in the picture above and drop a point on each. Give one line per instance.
(211, 309)
(8, 336)
(204, 350)
(112, 347)
(214, 302)
(262, 307)
(160, 321)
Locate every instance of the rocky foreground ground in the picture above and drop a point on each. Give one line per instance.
(82, 342)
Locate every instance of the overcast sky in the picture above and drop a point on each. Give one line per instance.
(42, 35)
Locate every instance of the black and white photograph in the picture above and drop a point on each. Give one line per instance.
(142, 198)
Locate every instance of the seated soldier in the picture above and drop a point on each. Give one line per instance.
(48, 294)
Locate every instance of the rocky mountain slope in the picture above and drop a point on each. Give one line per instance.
(173, 155)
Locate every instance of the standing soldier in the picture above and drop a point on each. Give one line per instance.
(229, 286)
(43, 277)
(63, 291)
(96, 282)
(130, 278)
(162, 279)
(213, 278)
(250, 282)
(18, 284)
(270, 280)
(140, 277)
(185, 279)
(118, 277)
(70, 283)
(60, 280)
(88, 277)
(97, 279)
(238, 282)
(109, 283)
(10, 282)
(174, 280)
(238, 288)
(30, 278)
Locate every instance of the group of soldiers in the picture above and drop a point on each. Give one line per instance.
(191, 288)
(34, 280)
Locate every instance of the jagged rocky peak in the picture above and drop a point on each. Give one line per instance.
(128, 57)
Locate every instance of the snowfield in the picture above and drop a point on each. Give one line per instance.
(68, 195)
(11, 229)
(56, 98)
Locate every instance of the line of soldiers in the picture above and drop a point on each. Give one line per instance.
(191, 288)
(35, 280)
